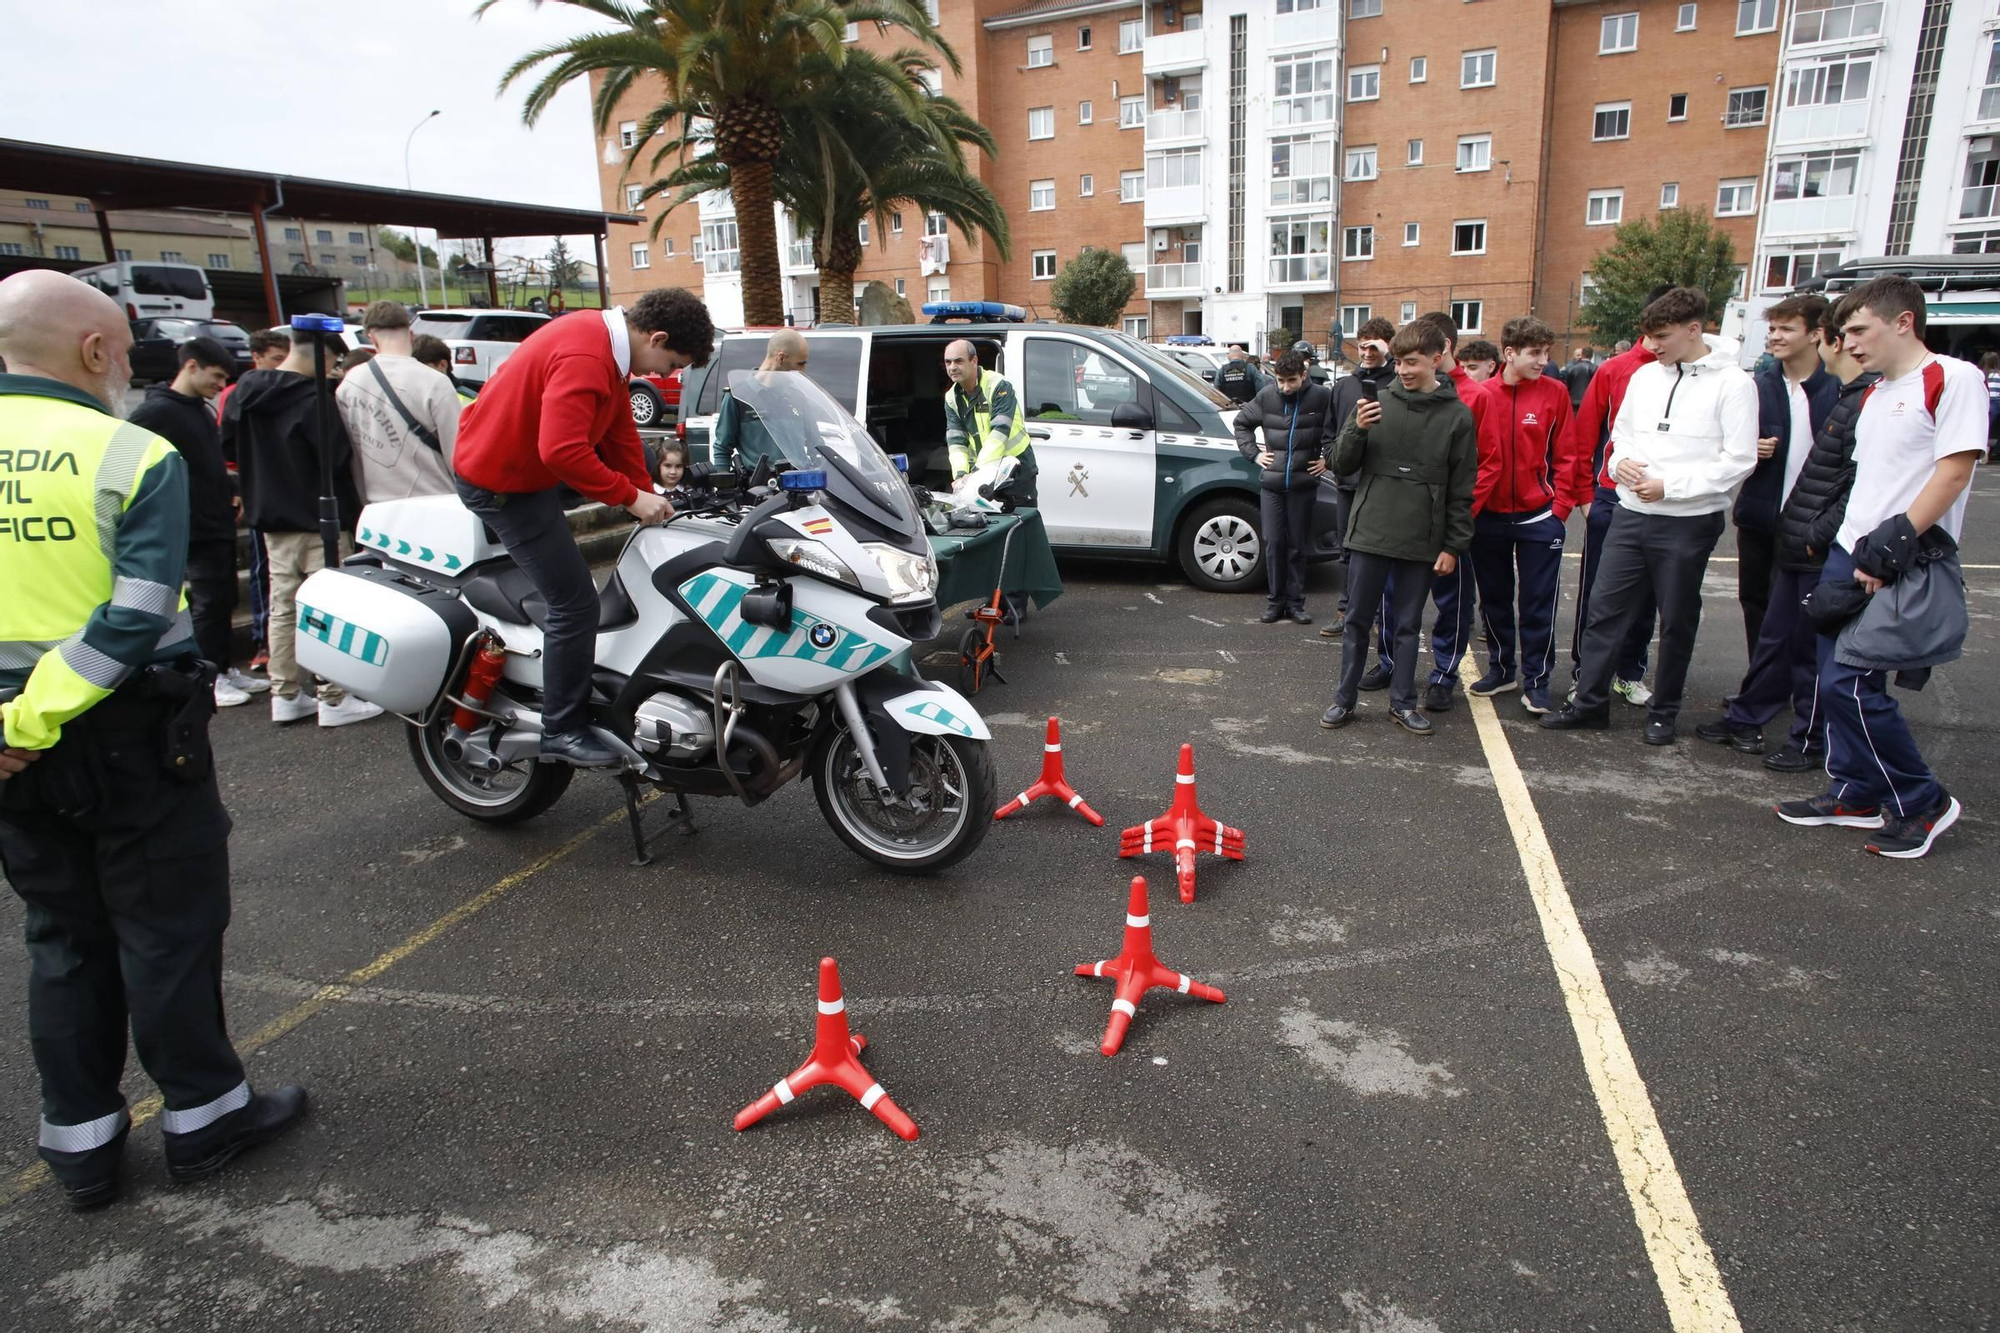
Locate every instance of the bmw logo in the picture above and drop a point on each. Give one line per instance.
(822, 635)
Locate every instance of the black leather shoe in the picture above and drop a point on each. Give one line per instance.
(1437, 697)
(1272, 615)
(1571, 718)
(1659, 731)
(206, 1151)
(83, 1192)
(1336, 717)
(1743, 740)
(579, 748)
(1410, 720)
(1337, 628)
(1299, 616)
(1375, 678)
(1792, 759)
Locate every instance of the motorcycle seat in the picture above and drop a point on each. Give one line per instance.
(510, 594)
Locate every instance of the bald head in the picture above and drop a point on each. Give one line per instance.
(53, 326)
(787, 350)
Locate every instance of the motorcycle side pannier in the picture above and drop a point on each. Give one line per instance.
(381, 635)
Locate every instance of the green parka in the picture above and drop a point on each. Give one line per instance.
(1417, 466)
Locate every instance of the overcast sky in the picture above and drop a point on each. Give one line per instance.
(230, 83)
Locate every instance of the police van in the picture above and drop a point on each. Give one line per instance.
(144, 291)
(1136, 454)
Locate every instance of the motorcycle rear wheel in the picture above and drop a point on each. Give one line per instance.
(516, 793)
(952, 785)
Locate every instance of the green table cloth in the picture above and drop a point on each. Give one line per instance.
(969, 562)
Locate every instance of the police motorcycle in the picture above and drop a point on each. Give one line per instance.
(762, 634)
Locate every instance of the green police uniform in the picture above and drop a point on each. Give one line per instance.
(982, 428)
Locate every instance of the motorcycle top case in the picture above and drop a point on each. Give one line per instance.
(381, 635)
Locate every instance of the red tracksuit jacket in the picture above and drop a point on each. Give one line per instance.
(1527, 457)
(1590, 428)
(556, 410)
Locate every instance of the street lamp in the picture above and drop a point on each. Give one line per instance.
(423, 286)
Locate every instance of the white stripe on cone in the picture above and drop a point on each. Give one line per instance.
(1188, 778)
(832, 1006)
(783, 1088)
(1124, 1007)
(1131, 920)
(1052, 749)
(1185, 982)
(1184, 842)
(870, 1097)
(1075, 801)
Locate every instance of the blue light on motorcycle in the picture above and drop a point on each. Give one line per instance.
(902, 462)
(803, 480)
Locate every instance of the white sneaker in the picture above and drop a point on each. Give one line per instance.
(1633, 692)
(246, 683)
(294, 709)
(347, 710)
(227, 695)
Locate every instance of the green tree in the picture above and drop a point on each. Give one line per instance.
(564, 270)
(404, 248)
(1094, 287)
(1683, 248)
(730, 71)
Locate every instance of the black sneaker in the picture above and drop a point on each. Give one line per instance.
(1660, 731)
(1492, 683)
(1299, 616)
(1743, 740)
(1823, 811)
(1336, 717)
(206, 1151)
(1907, 839)
(1571, 718)
(1791, 759)
(1272, 615)
(1437, 697)
(1410, 720)
(1375, 678)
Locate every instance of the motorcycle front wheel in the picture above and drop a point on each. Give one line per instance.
(945, 816)
(517, 792)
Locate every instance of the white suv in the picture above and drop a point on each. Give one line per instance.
(479, 339)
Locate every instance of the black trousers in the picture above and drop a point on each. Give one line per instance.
(211, 587)
(1666, 557)
(1367, 576)
(1756, 561)
(1785, 666)
(535, 531)
(125, 873)
(1286, 518)
(1632, 663)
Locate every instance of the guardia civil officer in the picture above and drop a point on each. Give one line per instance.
(983, 422)
(111, 827)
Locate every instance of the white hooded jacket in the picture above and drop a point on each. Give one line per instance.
(1694, 426)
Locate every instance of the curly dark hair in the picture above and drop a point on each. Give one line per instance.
(678, 313)
(1289, 365)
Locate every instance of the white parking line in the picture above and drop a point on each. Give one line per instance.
(1683, 1265)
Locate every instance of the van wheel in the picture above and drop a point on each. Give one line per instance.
(1219, 547)
(646, 404)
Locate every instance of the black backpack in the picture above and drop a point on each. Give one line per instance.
(1234, 381)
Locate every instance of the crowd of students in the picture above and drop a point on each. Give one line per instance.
(1844, 468)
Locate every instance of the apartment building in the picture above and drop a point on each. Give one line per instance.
(61, 227)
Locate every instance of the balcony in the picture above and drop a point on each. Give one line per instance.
(799, 255)
(1293, 270)
(718, 204)
(1311, 27)
(1166, 280)
(1175, 125)
(1817, 217)
(1978, 202)
(1172, 204)
(1842, 120)
(717, 263)
(1172, 52)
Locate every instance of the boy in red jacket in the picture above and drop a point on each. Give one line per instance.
(1530, 477)
(557, 411)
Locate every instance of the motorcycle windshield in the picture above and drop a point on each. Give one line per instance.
(813, 432)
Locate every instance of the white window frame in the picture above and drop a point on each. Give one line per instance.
(69, 252)
(1047, 114)
(1043, 260)
(1828, 157)
(1364, 9)
(1086, 186)
(895, 224)
(1042, 196)
(1308, 229)
(900, 288)
(1134, 255)
(721, 259)
(1731, 118)
(1471, 64)
(1816, 79)
(939, 289)
(1413, 234)
(218, 260)
(1468, 222)
(1671, 117)
(1083, 37)
(1173, 168)
(1762, 16)
(936, 224)
(1482, 146)
(1824, 257)
(1736, 187)
(1132, 187)
(1361, 164)
(1131, 36)
(1469, 315)
(1313, 95)
(176, 257)
(1357, 244)
(1413, 151)
(1132, 113)
(1136, 326)
(1684, 18)
(1611, 212)
(864, 230)
(642, 255)
(1614, 110)
(1352, 317)
(1618, 34)
(628, 134)
(1310, 160)
(1407, 312)
(666, 247)
(1085, 113)
(1420, 69)
(1043, 46)
(1807, 32)
(1670, 194)
(1989, 91)
(1368, 76)
(635, 201)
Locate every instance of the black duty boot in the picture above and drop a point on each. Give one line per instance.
(203, 1152)
(579, 748)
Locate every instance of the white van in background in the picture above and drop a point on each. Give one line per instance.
(146, 291)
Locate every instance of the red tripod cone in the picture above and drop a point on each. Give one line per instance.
(1136, 970)
(833, 1060)
(1184, 830)
(1051, 783)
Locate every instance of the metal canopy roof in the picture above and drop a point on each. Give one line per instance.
(115, 181)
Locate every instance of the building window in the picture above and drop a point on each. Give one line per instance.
(1613, 120)
(1475, 68)
(1041, 52)
(1605, 208)
(1415, 153)
(1470, 316)
(36, 203)
(1684, 21)
(1041, 122)
(666, 247)
(1412, 233)
(1301, 171)
(1131, 187)
(1835, 20)
(1131, 113)
(642, 257)
(176, 257)
(356, 238)
(1989, 93)
(1300, 251)
(1045, 265)
(1131, 35)
(1827, 175)
(939, 290)
(1361, 163)
(635, 198)
(719, 252)
(218, 260)
(1677, 106)
(1965, 243)
(1618, 33)
(1083, 38)
(1302, 89)
(1364, 9)
(1364, 83)
(694, 247)
(294, 234)
(1420, 68)
(900, 291)
(1352, 317)
(895, 224)
(1407, 312)
(1468, 237)
(67, 251)
(323, 237)
(934, 224)
(853, 33)
(1134, 255)
(82, 207)
(1174, 168)
(1041, 196)
(1135, 326)
(122, 256)
(1475, 152)
(1670, 195)
(1736, 198)
(1782, 272)
(1357, 243)
(1845, 79)
(297, 257)
(864, 230)
(1083, 113)
(1755, 16)
(1086, 187)
(1746, 107)
(10, 248)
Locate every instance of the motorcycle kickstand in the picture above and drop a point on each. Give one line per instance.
(682, 818)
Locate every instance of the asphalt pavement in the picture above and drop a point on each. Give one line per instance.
(524, 1121)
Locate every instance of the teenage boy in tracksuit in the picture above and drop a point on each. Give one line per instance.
(1921, 430)
(1416, 451)
(1530, 477)
(1297, 419)
(1785, 666)
(1685, 436)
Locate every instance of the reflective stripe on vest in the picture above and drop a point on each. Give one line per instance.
(981, 451)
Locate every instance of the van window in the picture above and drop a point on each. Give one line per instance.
(736, 354)
(503, 328)
(1067, 381)
(835, 365)
(441, 325)
(164, 280)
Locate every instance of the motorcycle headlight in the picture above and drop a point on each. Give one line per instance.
(911, 577)
(815, 558)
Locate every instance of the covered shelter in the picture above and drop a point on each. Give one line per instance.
(119, 181)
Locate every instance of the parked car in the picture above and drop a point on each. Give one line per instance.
(653, 397)
(1136, 453)
(479, 339)
(144, 290)
(156, 345)
(1203, 358)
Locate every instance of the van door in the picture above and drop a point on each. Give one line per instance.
(1097, 479)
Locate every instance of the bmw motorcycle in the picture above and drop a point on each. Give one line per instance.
(762, 634)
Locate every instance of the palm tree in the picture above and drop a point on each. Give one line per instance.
(732, 70)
